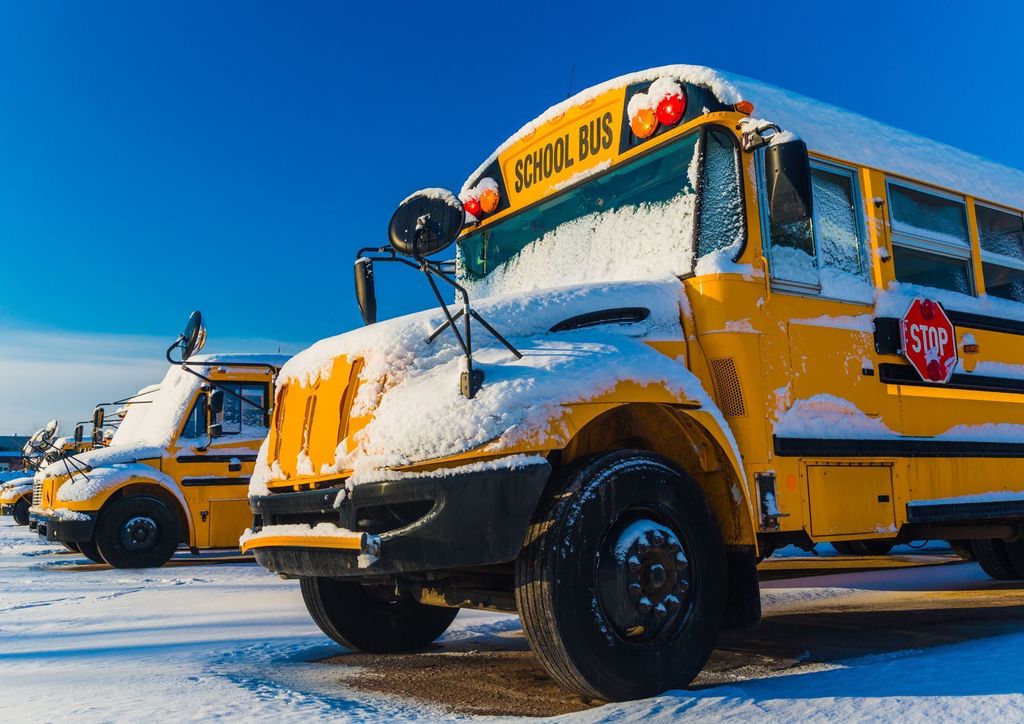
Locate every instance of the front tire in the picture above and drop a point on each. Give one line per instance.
(89, 550)
(621, 585)
(373, 618)
(137, 531)
(20, 513)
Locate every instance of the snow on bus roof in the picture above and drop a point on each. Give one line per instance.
(827, 129)
(850, 136)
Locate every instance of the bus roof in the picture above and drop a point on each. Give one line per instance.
(827, 130)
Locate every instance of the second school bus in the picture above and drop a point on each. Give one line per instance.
(706, 317)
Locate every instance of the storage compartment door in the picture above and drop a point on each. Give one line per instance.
(850, 499)
(228, 520)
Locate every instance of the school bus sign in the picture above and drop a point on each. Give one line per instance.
(928, 340)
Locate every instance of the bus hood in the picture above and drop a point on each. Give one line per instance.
(382, 397)
(100, 457)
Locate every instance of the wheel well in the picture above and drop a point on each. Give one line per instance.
(161, 493)
(671, 433)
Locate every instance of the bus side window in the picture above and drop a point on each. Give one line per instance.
(1001, 234)
(826, 255)
(838, 234)
(931, 245)
(721, 201)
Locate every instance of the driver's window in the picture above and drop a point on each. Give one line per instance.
(245, 410)
(195, 424)
(827, 255)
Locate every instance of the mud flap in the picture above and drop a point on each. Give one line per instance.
(743, 595)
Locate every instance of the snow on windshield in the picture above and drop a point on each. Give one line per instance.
(134, 415)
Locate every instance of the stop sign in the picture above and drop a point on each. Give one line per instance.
(928, 340)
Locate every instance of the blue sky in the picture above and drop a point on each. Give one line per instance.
(231, 156)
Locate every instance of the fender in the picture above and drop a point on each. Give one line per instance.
(79, 493)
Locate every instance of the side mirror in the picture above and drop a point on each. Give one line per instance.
(78, 434)
(194, 336)
(98, 415)
(788, 173)
(216, 407)
(427, 222)
(366, 293)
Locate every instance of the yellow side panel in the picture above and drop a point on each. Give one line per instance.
(850, 499)
(228, 520)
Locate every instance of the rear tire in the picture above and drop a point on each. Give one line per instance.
(621, 584)
(73, 547)
(89, 550)
(869, 547)
(372, 618)
(994, 559)
(137, 531)
(20, 513)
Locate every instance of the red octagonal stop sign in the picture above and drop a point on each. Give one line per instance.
(928, 340)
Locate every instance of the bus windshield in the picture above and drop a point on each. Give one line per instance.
(626, 223)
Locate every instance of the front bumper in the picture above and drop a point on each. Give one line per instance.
(415, 524)
(66, 530)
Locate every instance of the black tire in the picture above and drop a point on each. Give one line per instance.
(137, 531)
(73, 547)
(89, 550)
(871, 547)
(962, 548)
(372, 618)
(1015, 552)
(622, 535)
(844, 548)
(20, 513)
(994, 559)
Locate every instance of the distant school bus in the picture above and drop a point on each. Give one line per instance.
(719, 342)
(177, 470)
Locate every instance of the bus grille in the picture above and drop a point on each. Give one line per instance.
(37, 491)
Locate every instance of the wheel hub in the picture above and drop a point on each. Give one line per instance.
(138, 533)
(643, 579)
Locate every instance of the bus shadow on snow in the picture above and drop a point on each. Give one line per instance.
(492, 672)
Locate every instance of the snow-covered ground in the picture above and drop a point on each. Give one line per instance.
(231, 641)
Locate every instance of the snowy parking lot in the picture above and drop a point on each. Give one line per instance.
(216, 638)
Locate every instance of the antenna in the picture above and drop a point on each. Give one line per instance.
(572, 76)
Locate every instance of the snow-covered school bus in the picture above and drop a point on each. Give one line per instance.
(698, 318)
(44, 447)
(176, 474)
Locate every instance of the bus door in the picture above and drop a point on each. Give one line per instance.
(215, 479)
(833, 403)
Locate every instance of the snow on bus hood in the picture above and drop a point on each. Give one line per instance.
(102, 457)
(422, 416)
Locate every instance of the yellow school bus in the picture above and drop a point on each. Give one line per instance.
(698, 318)
(174, 475)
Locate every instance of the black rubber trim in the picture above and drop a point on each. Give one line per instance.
(897, 448)
(619, 315)
(895, 374)
(476, 518)
(215, 458)
(965, 512)
(984, 322)
(204, 482)
(887, 329)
